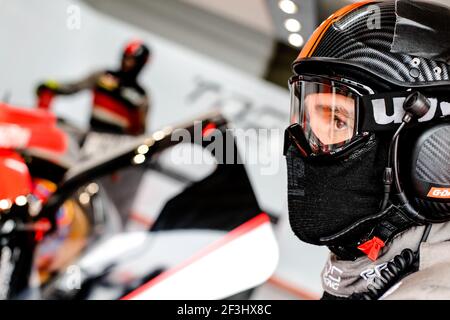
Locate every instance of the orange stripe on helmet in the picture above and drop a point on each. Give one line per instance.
(318, 34)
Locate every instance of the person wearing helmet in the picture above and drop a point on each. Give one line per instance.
(368, 150)
(120, 104)
(119, 112)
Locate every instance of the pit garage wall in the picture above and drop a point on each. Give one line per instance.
(42, 40)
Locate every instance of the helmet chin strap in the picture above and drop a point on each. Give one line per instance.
(377, 231)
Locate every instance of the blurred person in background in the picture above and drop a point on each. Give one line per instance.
(368, 150)
(120, 104)
(119, 112)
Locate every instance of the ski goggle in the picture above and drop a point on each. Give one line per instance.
(324, 116)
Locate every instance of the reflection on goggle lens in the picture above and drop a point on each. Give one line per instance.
(326, 114)
(331, 117)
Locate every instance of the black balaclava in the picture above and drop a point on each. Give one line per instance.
(325, 198)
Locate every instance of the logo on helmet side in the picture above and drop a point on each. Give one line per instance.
(439, 193)
(382, 116)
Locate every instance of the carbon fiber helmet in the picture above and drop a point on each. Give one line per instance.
(368, 37)
(394, 48)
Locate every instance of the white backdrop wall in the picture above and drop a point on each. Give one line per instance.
(37, 44)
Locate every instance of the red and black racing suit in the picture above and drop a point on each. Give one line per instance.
(120, 104)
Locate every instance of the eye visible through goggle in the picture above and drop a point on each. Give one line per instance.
(326, 114)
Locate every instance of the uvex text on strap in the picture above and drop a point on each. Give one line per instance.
(384, 112)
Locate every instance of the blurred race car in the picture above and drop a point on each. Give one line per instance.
(63, 235)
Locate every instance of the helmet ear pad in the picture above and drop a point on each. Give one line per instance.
(425, 170)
